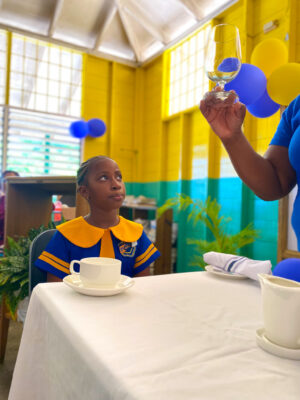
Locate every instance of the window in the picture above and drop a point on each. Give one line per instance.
(186, 74)
(39, 144)
(44, 98)
(45, 77)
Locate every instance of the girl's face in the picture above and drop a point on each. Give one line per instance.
(104, 187)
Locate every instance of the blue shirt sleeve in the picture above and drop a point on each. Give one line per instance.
(55, 259)
(286, 126)
(145, 255)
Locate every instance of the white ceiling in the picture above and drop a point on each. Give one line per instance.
(130, 31)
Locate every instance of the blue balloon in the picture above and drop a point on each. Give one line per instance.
(96, 127)
(263, 107)
(229, 64)
(288, 268)
(249, 84)
(79, 129)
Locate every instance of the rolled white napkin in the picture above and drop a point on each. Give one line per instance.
(238, 264)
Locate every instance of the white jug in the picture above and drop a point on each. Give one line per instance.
(281, 310)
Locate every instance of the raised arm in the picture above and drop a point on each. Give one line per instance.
(270, 176)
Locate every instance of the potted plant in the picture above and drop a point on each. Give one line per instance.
(14, 268)
(208, 213)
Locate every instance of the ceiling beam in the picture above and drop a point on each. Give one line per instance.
(106, 16)
(101, 54)
(139, 16)
(57, 11)
(130, 34)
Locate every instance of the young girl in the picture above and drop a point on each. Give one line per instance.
(101, 233)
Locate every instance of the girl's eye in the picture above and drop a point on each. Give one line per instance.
(119, 177)
(103, 178)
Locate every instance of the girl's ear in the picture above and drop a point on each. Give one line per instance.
(84, 192)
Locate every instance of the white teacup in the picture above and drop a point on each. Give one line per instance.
(281, 307)
(98, 271)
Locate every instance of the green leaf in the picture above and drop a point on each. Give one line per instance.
(207, 214)
(14, 268)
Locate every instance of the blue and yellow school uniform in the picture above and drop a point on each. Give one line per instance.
(76, 239)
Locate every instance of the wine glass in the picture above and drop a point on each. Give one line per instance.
(223, 57)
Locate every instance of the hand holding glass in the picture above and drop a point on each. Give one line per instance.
(223, 58)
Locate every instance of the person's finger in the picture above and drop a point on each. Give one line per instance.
(208, 96)
(207, 100)
(233, 95)
(240, 110)
(243, 111)
(203, 108)
(231, 99)
(212, 101)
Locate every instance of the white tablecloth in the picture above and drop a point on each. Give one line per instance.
(184, 336)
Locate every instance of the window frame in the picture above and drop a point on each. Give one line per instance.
(8, 108)
(180, 76)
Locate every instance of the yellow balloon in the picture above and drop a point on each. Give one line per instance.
(283, 85)
(269, 54)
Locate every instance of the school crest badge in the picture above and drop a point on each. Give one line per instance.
(127, 249)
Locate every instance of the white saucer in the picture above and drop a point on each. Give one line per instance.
(75, 283)
(224, 274)
(270, 347)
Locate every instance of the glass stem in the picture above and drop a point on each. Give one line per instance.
(221, 85)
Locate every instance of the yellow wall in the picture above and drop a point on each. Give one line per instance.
(296, 28)
(96, 101)
(152, 146)
(110, 94)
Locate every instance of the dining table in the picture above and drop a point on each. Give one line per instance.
(180, 336)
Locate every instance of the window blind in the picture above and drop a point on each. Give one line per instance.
(40, 144)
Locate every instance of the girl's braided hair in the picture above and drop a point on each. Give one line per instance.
(84, 168)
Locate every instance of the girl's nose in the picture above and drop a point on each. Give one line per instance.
(116, 184)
